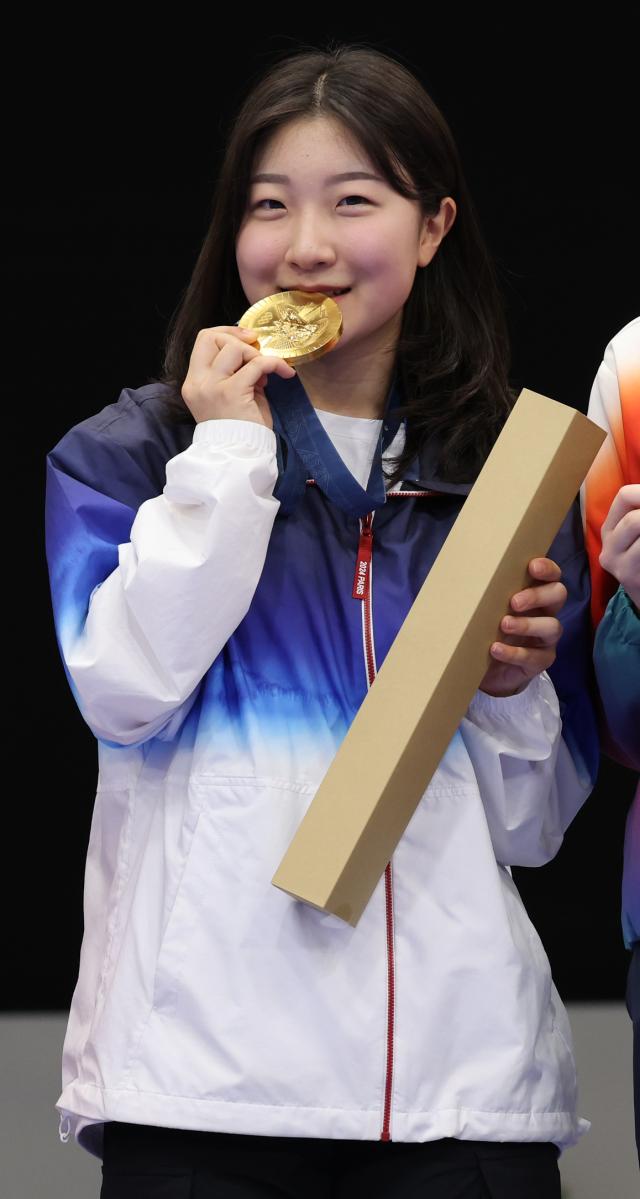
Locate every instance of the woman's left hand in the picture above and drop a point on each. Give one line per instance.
(531, 632)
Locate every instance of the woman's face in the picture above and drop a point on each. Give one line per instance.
(310, 230)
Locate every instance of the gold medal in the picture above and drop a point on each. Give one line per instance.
(297, 326)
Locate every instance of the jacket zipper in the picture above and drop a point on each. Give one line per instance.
(385, 1135)
(362, 590)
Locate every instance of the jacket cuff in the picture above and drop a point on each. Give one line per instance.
(226, 433)
(511, 707)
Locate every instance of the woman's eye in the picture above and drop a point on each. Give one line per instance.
(268, 200)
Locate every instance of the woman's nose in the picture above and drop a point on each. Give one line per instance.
(309, 245)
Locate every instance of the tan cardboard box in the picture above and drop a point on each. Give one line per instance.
(438, 658)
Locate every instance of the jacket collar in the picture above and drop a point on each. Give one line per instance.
(305, 450)
(422, 475)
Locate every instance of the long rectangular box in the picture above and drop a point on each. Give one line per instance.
(438, 658)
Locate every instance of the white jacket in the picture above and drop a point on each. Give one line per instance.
(214, 648)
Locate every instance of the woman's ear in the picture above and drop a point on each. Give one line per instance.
(435, 228)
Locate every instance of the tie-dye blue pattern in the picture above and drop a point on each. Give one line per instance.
(293, 672)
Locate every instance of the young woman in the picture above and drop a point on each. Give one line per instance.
(203, 534)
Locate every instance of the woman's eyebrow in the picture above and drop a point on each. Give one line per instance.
(271, 178)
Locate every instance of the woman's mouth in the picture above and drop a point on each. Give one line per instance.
(333, 292)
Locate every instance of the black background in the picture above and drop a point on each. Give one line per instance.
(109, 205)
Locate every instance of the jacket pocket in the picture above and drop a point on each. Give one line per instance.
(173, 939)
(107, 871)
(555, 1022)
(564, 1040)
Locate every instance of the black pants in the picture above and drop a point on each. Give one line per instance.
(633, 1008)
(143, 1162)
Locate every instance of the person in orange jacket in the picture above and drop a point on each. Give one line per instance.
(611, 510)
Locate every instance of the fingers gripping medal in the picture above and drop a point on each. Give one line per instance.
(295, 325)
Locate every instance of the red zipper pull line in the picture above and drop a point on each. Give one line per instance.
(363, 561)
(362, 590)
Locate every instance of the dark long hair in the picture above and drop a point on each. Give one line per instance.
(453, 350)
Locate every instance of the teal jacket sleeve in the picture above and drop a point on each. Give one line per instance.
(617, 663)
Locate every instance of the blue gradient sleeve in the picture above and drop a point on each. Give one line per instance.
(83, 529)
(572, 672)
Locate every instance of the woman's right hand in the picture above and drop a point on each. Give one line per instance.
(227, 374)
